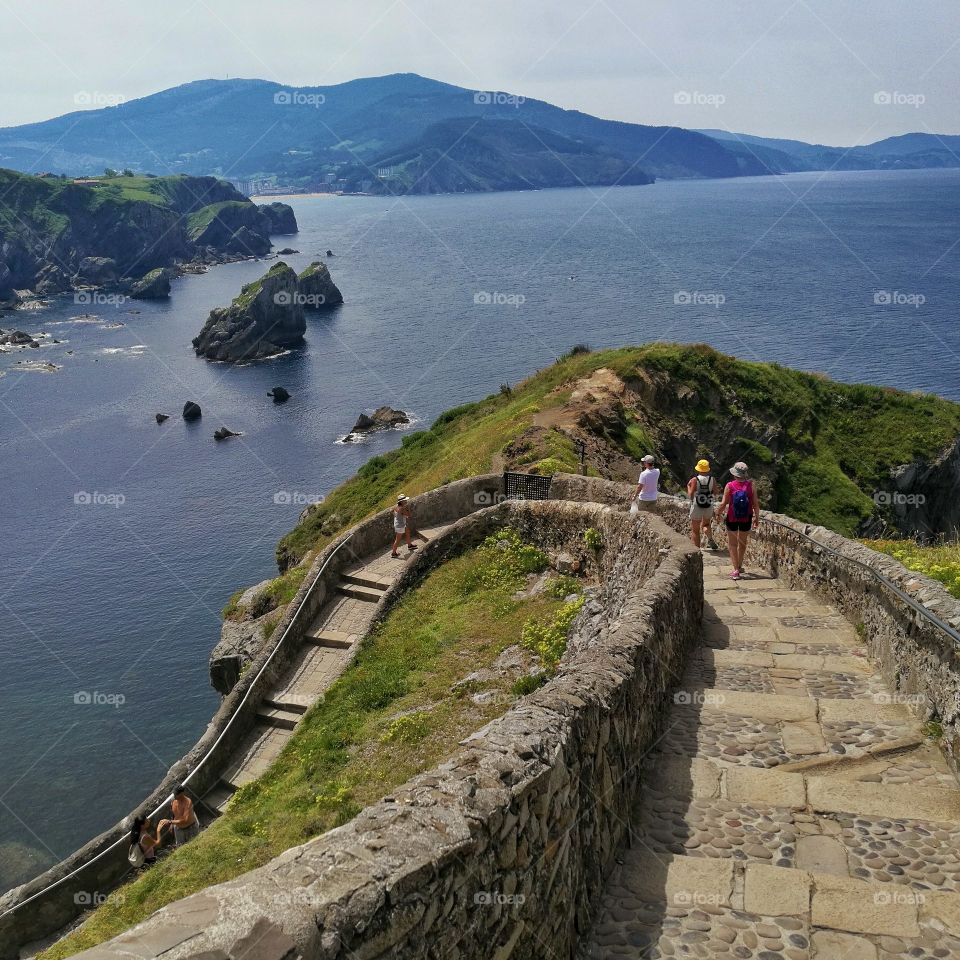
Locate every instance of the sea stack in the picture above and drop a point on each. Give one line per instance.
(264, 320)
(317, 288)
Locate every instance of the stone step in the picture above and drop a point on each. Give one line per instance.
(289, 704)
(362, 579)
(801, 675)
(837, 908)
(770, 730)
(217, 797)
(366, 594)
(279, 717)
(334, 639)
(699, 778)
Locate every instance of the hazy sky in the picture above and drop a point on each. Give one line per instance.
(831, 71)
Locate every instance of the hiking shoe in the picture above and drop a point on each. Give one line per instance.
(396, 556)
(411, 548)
(735, 575)
(712, 544)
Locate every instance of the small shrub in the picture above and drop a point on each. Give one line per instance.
(372, 467)
(593, 538)
(505, 562)
(549, 640)
(529, 682)
(578, 349)
(410, 728)
(231, 608)
(939, 562)
(933, 730)
(506, 390)
(563, 586)
(549, 466)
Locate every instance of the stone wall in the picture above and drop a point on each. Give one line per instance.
(501, 850)
(53, 899)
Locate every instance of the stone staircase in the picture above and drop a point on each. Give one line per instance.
(326, 650)
(792, 808)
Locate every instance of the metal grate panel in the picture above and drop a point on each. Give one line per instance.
(526, 486)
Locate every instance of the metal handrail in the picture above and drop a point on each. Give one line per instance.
(889, 584)
(121, 840)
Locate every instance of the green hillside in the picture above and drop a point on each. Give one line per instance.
(818, 447)
(49, 227)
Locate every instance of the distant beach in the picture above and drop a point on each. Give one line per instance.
(289, 196)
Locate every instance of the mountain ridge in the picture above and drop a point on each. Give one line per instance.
(337, 137)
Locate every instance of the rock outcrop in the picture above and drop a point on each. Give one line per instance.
(281, 217)
(154, 285)
(191, 411)
(97, 270)
(264, 320)
(222, 433)
(922, 499)
(235, 227)
(279, 394)
(17, 338)
(241, 637)
(317, 288)
(383, 418)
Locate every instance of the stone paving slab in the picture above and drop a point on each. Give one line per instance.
(314, 674)
(257, 751)
(760, 706)
(830, 795)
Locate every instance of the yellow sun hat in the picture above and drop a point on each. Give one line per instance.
(703, 466)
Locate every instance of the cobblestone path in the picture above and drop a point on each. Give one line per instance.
(793, 809)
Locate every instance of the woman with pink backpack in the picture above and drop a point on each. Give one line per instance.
(738, 509)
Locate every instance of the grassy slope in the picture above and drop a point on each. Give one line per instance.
(842, 439)
(462, 442)
(389, 716)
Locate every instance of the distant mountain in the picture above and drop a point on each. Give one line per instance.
(404, 132)
(303, 136)
(475, 155)
(911, 151)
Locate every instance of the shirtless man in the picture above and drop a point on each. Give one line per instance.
(184, 820)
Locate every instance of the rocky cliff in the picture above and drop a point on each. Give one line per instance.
(280, 215)
(264, 320)
(57, 234)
